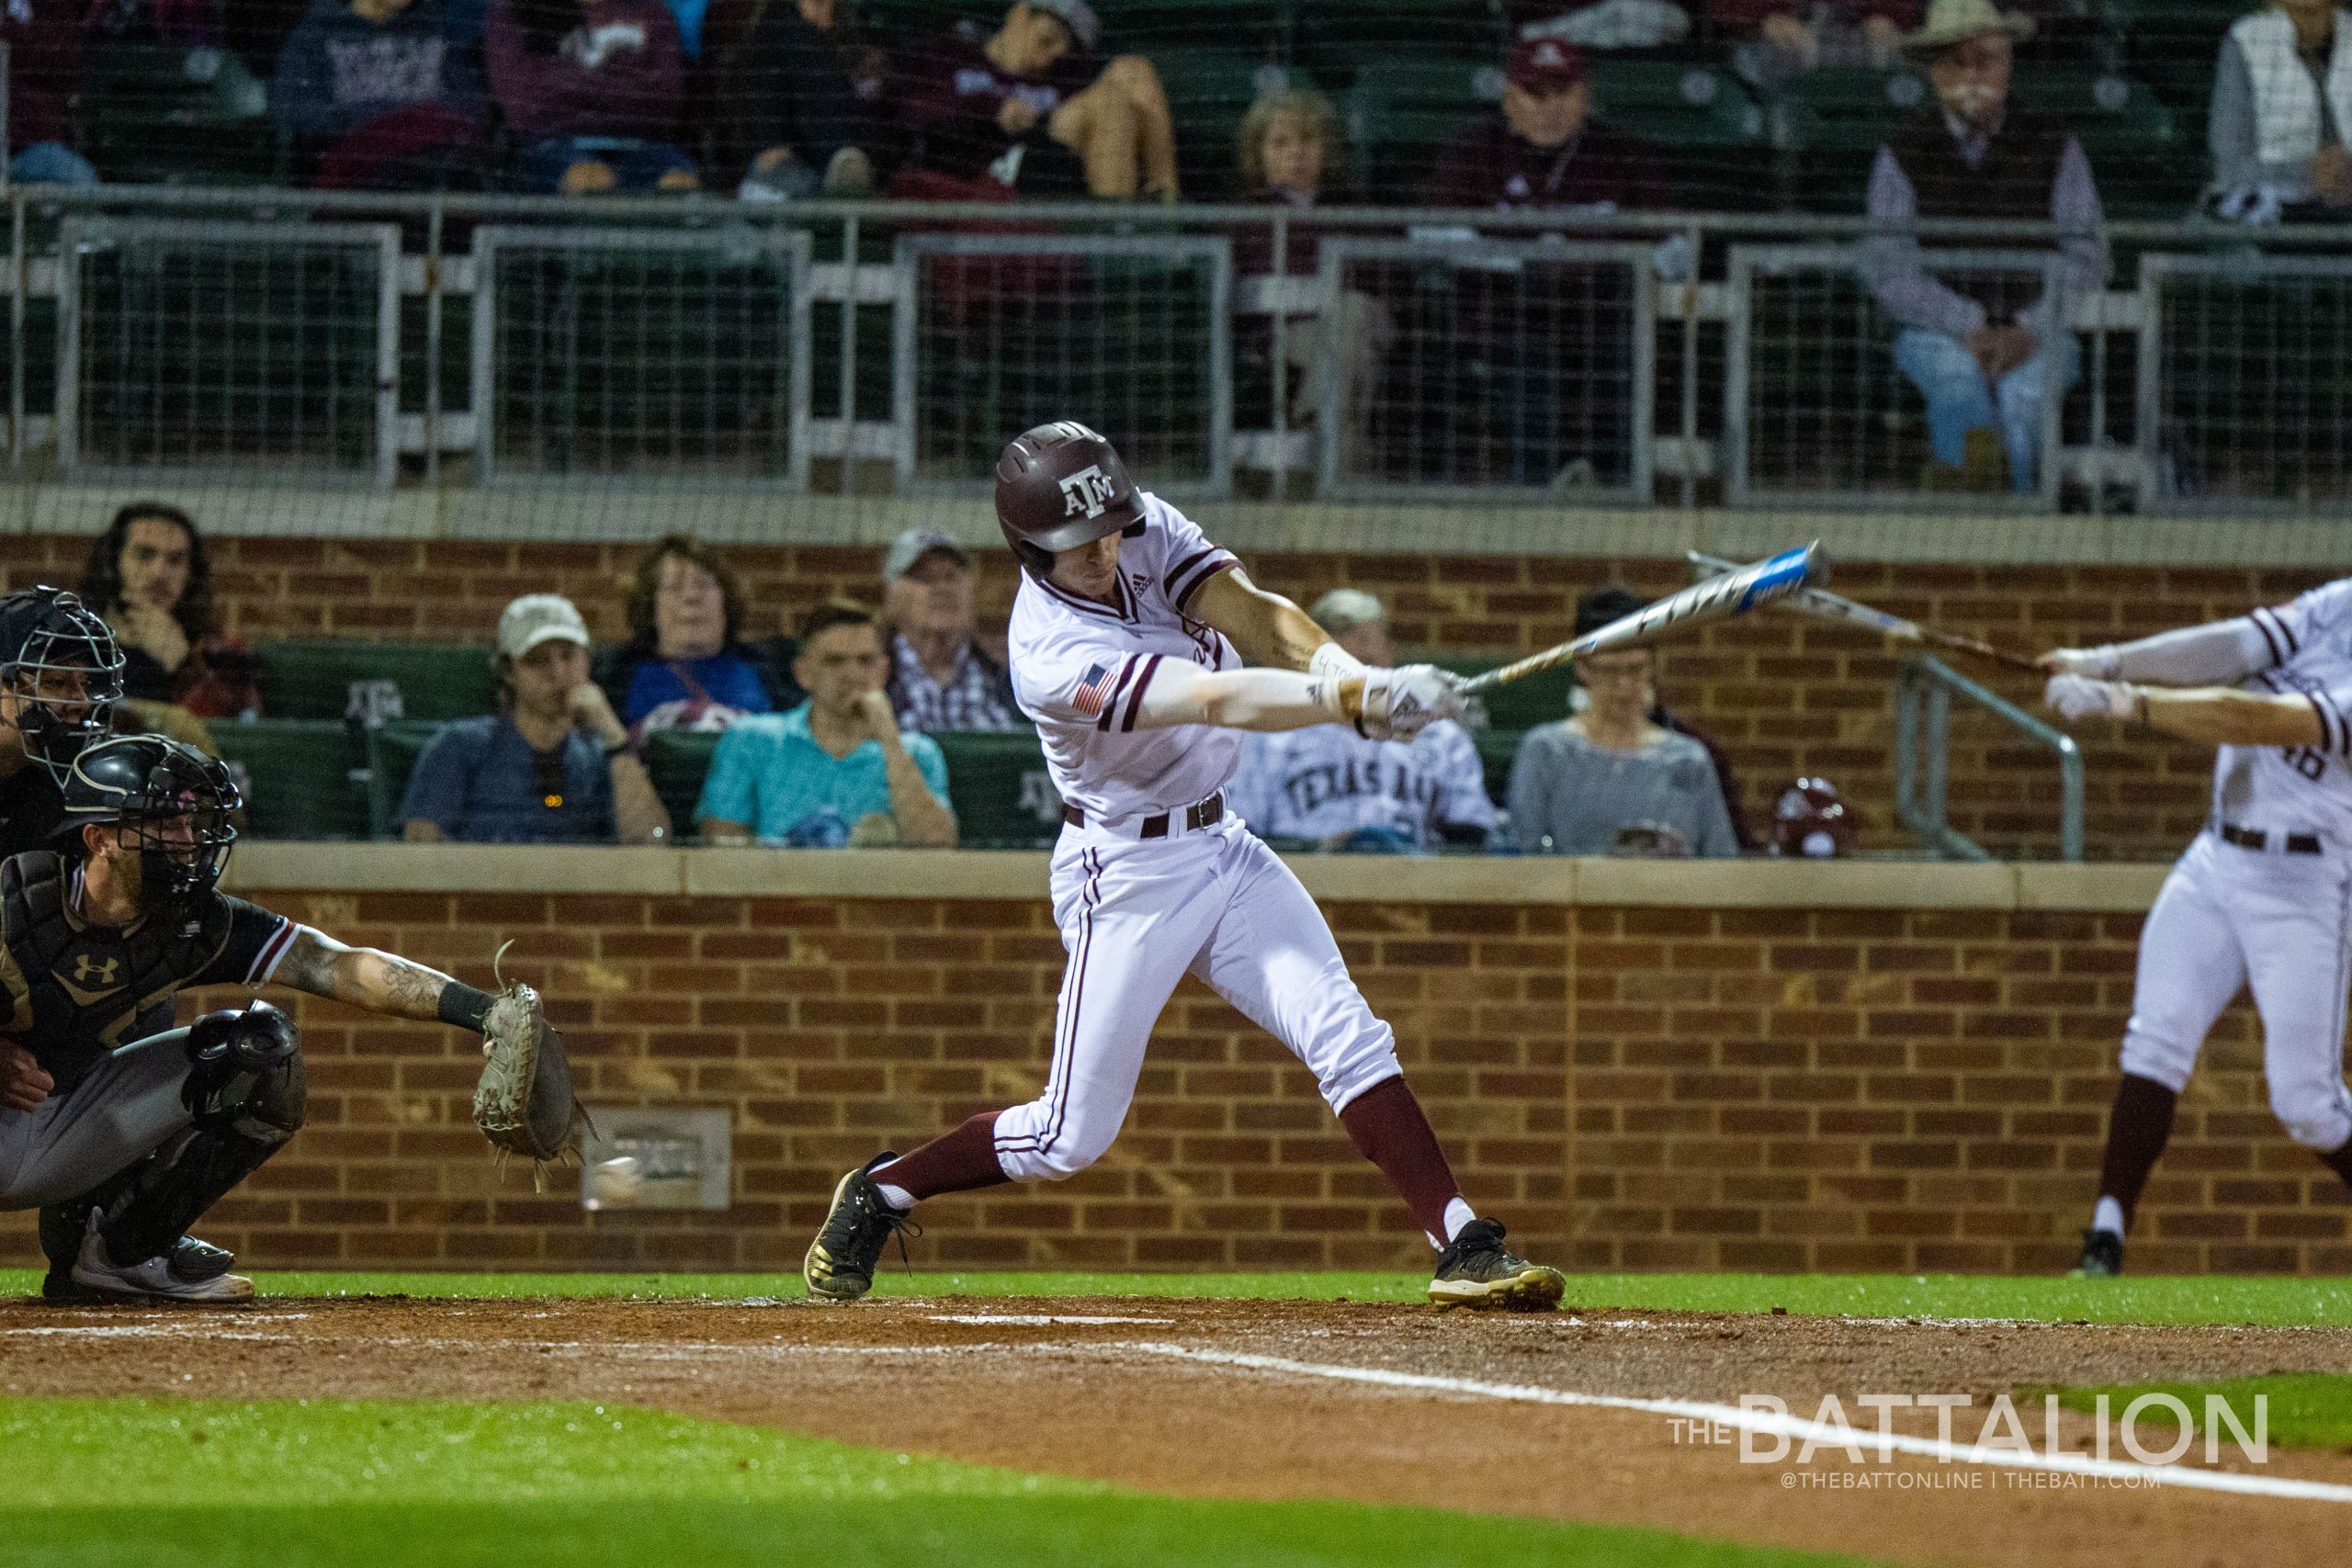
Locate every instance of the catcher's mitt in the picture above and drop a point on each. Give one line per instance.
(525, 1103)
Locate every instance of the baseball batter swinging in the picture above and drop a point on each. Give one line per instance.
(2263, 897)
(1127, 642)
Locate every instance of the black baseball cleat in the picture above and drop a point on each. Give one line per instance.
(190, 1260)
(1476, 1270)
(2102, 1256)
(839, 1265)
(192, 1271)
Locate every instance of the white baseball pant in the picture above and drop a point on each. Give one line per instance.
(1136, 917)
(2281, 924)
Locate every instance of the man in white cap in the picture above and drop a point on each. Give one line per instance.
(555, 763)
(940, 681)
(1331, 785)
(1982, 348)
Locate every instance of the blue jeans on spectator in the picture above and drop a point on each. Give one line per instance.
(1959, 400)
(52, 164)
(636, 165)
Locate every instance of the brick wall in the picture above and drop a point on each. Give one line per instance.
(1639, 1087)
(1786, 696)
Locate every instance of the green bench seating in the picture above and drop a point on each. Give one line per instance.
(297, 777)
(436, 681)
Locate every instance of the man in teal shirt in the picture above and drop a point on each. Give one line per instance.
(824, 772)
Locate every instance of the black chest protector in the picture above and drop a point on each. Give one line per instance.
(76, 991)
(30, 808)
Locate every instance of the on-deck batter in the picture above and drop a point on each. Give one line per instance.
(1128, 640)
(2263, 897)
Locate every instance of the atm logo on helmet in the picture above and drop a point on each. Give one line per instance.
(1088, 490)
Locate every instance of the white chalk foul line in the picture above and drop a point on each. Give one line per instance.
(1034, 1319)
(1770, 1423)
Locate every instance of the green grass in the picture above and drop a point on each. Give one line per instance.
(439, 1485)
(2147, 1299)
(2308, 1410)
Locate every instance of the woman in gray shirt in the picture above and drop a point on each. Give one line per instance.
(1610, 782)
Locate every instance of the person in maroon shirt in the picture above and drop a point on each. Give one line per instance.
(44, 39)
(1544, 148)
(1025, 109)
(591, 92)
(1538, 359)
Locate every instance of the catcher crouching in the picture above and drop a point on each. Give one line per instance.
(122, 1130)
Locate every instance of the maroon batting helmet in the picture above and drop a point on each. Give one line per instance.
(1060, 485)
(1810, 820)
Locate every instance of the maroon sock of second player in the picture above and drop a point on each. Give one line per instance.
(1386, 1126)
(960, 1160)
(2137, 1131)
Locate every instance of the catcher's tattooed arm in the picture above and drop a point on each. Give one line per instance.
(381, 982)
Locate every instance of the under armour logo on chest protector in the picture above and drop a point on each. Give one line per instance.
(1088, 490)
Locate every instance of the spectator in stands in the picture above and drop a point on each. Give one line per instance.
(1598, 609)
(686, 664)
(940, 680)
(1292, 152)
(376, 92)
(1543, 148)
(2282, 111)
(1543, 370)
(553, 765)
(1611, 779)
(1780, 40)
(1028, 110)
(44, 39)
(805, 96)
(1982, 349)
(1335, 788)
(1610, 26)
(836, 770)
(150, 575)
(591, 92)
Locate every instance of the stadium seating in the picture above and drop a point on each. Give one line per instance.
(392, 751)
(431, 679)
(296, 776)
(1828, 126)
(1401, 110)
(1208, 92)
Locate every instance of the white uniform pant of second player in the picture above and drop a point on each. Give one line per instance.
(2231, 918)
(1136, 916)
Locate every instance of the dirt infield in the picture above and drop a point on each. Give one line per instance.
(1332, 1399)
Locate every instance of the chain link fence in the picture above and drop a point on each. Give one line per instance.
(672, 362)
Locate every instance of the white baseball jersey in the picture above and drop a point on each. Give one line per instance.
(1137, 914)
(1079, 669)
(2232, 918)
(2306, 789)
(1327, 781)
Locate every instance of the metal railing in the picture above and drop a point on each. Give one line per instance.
(1365, 354)
(1923, 697)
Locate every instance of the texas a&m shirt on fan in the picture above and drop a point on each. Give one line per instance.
(1079, 670)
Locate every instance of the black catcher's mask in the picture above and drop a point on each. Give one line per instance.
(61, 662)
(178, 804)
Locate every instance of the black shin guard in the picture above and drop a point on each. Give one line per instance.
(2137, 1130)
(167, 1192)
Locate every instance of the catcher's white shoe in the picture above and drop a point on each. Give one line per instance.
(155, 1280)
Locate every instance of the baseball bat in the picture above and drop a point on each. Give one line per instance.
(1734, 594)
(1828, 606)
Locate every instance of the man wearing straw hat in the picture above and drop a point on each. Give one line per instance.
(1982, 348)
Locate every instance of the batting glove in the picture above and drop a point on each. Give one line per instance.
(2076, 699)
(1400, 704)
(2101, 663)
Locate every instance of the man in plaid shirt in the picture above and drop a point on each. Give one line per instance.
(940, 680)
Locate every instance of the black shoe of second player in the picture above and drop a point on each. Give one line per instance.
(1476, 1270)
(2102, 1256)
(196, 1262)
(840, 1261)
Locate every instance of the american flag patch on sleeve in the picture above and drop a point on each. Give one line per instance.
(1095, 690)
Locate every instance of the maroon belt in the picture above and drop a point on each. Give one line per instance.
(1206, 813)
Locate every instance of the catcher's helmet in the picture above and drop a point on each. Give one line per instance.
(179, 805)
(1060, 485)
(63, 664)
(1810, 820)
